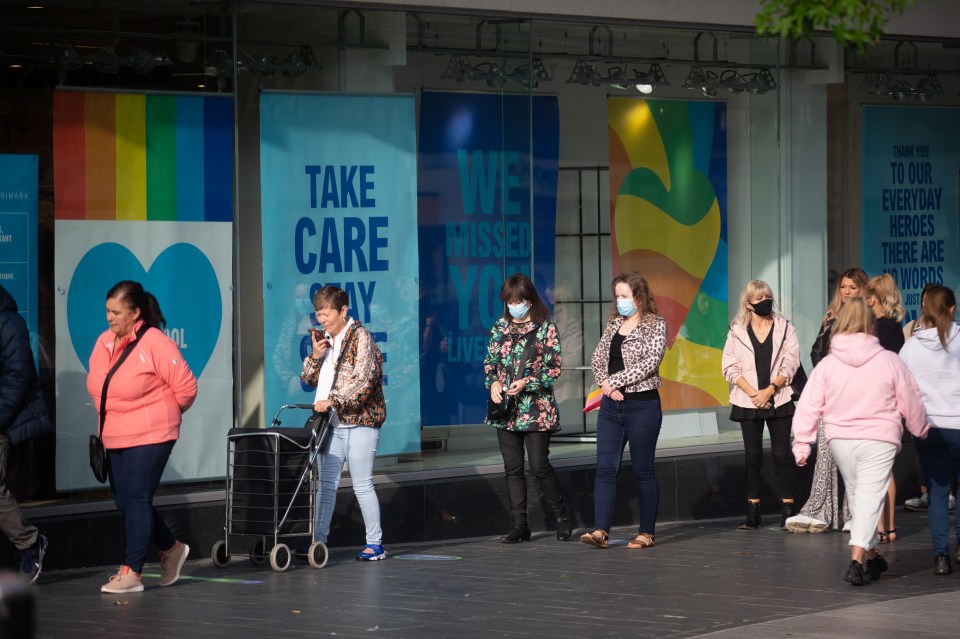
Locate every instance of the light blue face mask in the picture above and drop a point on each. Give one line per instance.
(517, 311)
(625, 307)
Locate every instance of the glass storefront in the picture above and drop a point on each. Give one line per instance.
(565, 150)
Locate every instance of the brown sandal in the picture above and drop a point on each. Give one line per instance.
(597, 539)
(643, 540)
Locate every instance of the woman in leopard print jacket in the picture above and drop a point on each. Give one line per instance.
(626, 365)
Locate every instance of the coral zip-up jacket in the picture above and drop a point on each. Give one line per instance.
(148, 393)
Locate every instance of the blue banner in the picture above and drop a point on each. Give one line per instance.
(338, 201)
(487, 201)
(909, 197)
(18, 238)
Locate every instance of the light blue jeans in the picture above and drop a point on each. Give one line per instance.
(356, 445)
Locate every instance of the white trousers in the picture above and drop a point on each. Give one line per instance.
(866, 466)
(358, 446)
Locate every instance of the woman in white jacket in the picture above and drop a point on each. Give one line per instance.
(933, 356)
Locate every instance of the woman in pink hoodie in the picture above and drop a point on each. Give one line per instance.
(864, 394)
(146, 396)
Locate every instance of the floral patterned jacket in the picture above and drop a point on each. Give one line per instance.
(642, 353)
(357, 393)
(536, 406)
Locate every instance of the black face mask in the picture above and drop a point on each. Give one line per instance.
(763, 308)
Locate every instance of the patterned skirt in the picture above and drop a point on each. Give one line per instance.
(824, 501)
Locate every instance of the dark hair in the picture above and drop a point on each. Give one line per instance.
(132, 295)
(939, 304)
(519, 287)
(331, 297)
(641, 293)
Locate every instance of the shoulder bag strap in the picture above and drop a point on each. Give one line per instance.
(106, 382)
(525, 355)
(343, 347)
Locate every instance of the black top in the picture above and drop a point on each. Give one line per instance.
(889, 333)
(763, 356)
(615, 364)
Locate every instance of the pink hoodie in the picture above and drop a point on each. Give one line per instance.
(148, 393)
(862, 391)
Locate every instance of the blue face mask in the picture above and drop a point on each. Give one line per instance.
(625, 307)
(303, 305)
(517, 311)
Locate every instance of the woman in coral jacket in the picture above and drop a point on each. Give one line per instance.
(864, 394)
(146, 398)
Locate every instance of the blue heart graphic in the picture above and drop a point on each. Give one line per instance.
(181, 278)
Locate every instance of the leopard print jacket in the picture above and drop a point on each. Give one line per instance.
(357, 393)
(643, 351)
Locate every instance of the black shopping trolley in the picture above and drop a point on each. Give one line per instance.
(271, 492)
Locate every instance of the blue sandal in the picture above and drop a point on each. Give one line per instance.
(376, 553)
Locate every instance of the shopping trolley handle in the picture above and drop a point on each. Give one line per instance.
(276, 418)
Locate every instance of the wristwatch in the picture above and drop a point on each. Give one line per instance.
(776, 389)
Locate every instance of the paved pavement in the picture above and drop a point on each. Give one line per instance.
(703, 579)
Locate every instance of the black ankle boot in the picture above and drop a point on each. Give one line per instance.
(753, 517)
(519, 532)
(564, 528)
(787, 512)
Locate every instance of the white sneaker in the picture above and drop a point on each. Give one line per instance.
(917, 503)
(797, 524)
(846, 526)
(817, 526)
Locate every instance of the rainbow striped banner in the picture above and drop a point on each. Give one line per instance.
(131, 156)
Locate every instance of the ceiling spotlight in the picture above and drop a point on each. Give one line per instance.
(705, 81)
(457, 69)
(488, 72)
(584, 73)
(530, 76)
(618, 79)
(877, 84)
(928, 87)
(189, 41)
(105, 60)
(142, 62)
(647, 82)
(760, 82)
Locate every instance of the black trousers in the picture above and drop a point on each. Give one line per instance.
(538, 452)
(782, 456)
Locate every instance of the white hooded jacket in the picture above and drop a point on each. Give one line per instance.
(938, 374)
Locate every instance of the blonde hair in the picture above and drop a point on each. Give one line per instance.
(751, 290)
(854, 317)
(859, 277)
(883, 289)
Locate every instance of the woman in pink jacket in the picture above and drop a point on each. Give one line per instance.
(864, 394)
(760, 358)
(145, 399)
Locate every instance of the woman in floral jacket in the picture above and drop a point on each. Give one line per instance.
(523, 361)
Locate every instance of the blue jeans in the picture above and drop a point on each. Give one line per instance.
(619, 423)
(938, 451)
(134, 476)
(357, 445)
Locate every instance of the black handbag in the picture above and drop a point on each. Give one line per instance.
(98, 454)
(798, 382)
(501, 411)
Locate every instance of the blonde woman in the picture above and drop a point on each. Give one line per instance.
(822, 511)
(760, 358)
(883, 297)
(864, 395)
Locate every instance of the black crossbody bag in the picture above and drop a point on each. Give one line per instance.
(98, 454)
(502, 410)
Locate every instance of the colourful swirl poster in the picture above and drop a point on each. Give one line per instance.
(668, 183)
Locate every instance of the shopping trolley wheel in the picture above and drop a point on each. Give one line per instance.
(318, 555)
(219, 553)
(257, 556)
(280, 557)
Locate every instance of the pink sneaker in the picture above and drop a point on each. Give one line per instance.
(124, 581)
(171, 562)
